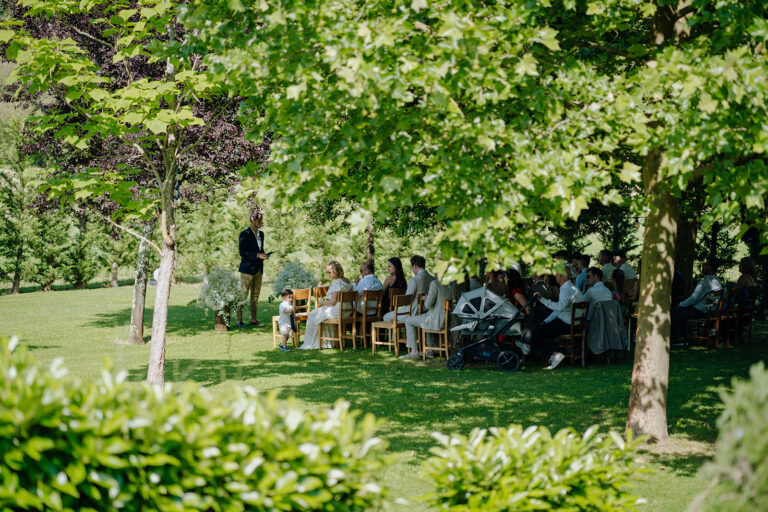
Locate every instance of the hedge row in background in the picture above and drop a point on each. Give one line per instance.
(66, 444)
(506, 469)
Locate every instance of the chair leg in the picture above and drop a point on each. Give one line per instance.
(423, 344)
(374, 339)
(274, 334)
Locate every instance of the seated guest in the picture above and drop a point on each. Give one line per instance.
(746, 279)
(617, 285)
(580, 269)
(433, 319)
(495, 284)
(419, 284)
(605, 258)
(597, 291)
(556, 324)
(697, 305)
(515, 288)
(620, 262)
(395, 279)
(328, 307)
(366, 281)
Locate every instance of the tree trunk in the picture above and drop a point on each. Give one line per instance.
(685, 254)
(222, 320)
(136, 333)
(156, 367)
(113, 282)
(370, 249)
(647, 413)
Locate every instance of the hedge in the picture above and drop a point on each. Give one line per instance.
(68, 444)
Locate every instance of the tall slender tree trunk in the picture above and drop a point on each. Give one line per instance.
(156, 368)
(16, 286)
(647, 413)
(136, 334)
(113, 282)
(370, 248)
(686, 247)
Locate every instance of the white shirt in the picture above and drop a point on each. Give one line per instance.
(368, 282)
(699, 297)
(258, 240)
(628, 272)
(285, 310)
(608, 269)
(598, 293)
(562, 308)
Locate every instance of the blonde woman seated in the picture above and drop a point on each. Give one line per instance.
(328, 307)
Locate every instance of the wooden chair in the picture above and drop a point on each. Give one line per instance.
(443, 335)
(371, 313)
(301, 307)
(346, 319)
(706, 329)
(745, 312)
(318, 292)
(395, 328)
(577, 336)
(394, 292)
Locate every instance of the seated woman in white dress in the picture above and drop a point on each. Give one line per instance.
(328, 307)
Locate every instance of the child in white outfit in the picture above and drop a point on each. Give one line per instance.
(285, 322)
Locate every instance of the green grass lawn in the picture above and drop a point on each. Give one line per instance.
(412, 399)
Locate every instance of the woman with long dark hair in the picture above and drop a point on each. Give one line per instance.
(395, 279)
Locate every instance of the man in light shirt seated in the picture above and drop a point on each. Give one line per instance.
(620, 262)
(597, 291)
(556, 324)
(698, 304)
(366, 281)
(605, 258)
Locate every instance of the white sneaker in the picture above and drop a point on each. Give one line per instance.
(554, 360)
(524, 347)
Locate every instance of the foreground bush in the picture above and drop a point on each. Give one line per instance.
(511, 469)
(108, 445)
(739, 470)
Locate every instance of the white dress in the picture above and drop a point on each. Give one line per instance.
(312, 334)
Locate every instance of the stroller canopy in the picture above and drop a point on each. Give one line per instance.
(483, 303)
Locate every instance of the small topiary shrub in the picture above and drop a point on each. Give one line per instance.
(739, 470)
(67, 444)
(513, 469)
(293, 275)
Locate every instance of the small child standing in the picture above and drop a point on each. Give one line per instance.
(285, 322)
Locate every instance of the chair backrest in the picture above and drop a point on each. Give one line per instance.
(448, 307)
(347, 301)
(372, 302)
(400, 301)
(318, 292)
(579, 312)
(419, 302)
(394, 292)
(301, 300)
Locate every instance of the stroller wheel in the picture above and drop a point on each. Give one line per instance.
(508, 361)
(456, 361)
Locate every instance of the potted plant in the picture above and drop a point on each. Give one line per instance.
(222, 293)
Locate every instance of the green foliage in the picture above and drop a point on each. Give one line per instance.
(293, 275)
(740, 466)
(104, 444)
(85, 256)
(50, 245)
(222, 290)
(514, 469)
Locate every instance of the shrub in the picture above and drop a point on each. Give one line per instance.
(293, 275)
(513, 469)
(223, 290)
(108, 445)
(739, 469)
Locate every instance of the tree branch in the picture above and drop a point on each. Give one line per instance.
(89, 36)
(115, 224)
(206, 129)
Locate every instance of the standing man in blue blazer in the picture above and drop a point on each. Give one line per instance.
(252, 256)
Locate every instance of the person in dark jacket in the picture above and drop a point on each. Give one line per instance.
(252, 256)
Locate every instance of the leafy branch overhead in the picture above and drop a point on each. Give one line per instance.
(503, 116)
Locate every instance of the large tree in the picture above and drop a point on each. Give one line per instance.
(508, 116)
(132, 100)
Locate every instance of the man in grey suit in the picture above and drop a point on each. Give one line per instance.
(418, 284)
(433, 319)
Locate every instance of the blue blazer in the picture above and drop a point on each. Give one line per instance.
(250, 263)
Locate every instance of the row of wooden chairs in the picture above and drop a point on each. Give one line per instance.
(728, 322)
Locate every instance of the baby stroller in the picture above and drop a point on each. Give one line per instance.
(482, 312)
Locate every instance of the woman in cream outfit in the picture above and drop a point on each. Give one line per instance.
(328, 307)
